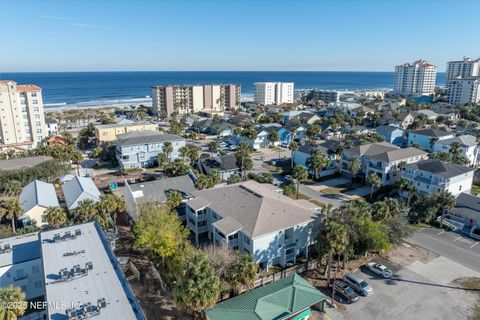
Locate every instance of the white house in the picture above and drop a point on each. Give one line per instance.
(384, 159)
(300, 157)
(35, 199)
(431, 176)
(468, 147)
(254, 218)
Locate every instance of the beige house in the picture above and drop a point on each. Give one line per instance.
(35, 199)
(109, 132)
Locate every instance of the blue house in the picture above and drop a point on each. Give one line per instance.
(426, 138)
(393, 135)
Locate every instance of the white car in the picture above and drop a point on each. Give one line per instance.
(233, 147)
(223, 144)
(379, 269)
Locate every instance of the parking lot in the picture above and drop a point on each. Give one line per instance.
(423, 287)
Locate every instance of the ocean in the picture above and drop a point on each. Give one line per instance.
(69, 89)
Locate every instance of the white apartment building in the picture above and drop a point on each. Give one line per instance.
(415, 79)
(22, 121)
(465, 68)
(254, 218)
(186, 99)
(467, 145)
(463, 90)
(433, 176)
(273, 93)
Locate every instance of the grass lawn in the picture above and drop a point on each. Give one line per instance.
(341, 188)
(475, 189)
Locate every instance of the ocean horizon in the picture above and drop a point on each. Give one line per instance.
(83, 89)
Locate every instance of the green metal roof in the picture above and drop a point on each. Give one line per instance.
(276, 300)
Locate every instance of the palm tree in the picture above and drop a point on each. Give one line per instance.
(243, 272)
(455, 150)
(293, 147)
(407, 185)
(55, 216)
(13, 301)
(446, 201)
(86, 210)
(167, 148)
(12, 188)
(11, 209)
(354, 166)
(273, 137)
(301, 175)
(337, 238)
(212, 147)
(317, 161)
(375, 182)
(111, 204)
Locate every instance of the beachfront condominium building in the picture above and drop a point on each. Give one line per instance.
(415, 79)
(185, 99)
(463, 90)
(22, 122)
(465, 68)
(273, 93)
(110, 132)
(326, 96)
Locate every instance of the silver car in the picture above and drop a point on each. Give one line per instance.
(379, 269)
(358, 284)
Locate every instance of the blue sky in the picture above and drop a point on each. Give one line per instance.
(234, 34)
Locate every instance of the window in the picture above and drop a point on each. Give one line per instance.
(20, 274)
(246, 240)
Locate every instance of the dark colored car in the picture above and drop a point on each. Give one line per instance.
(345, 291)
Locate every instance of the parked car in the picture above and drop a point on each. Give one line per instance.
(379, 269)
(223, 144)
(290, 180)
(284, 144)
(233, 147)
(358, 284)
(345, 291)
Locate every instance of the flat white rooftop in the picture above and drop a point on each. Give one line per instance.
(84, 284)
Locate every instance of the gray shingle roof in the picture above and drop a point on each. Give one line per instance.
(387, 128)
(157, 190)
(466, 140)
(430, 132)
(227, 225)
(444, 169)
(78, 189)
(467, 206)
(147, 136)
(223, 163)
(258, 208)
(38, 193)
(399, 154)
(371, 149)
(308, 148)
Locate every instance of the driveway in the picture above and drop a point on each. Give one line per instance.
(451, 245)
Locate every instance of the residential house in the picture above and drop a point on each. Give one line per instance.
(362, 110)
(307, 118)
(299, 132)
(300, 157)
(241, 119)
(156, 192)
(288, 298)
(78, 189)
(401, 120)
(327, 132)
(211, 127)
(431, 176)
(284, 135)
(225, 165)
(35, 199)
(466, 214)
(140, 149)
(383, 158)
(111, 132)
(468, 147)
(430, 114)
(426, 138)
(52, 126)
(256, 219)
(393, 135)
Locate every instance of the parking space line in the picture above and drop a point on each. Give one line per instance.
(473, 245)
(441, 232)
(457, 238)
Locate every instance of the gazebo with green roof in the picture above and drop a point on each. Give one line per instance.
(289, 298)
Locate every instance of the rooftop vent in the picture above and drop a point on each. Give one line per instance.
(66, 236)
(75, 273)
(6, 248)
(86, 310)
